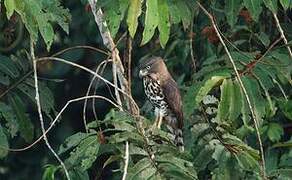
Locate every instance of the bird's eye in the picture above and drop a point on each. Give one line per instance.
(148, 67)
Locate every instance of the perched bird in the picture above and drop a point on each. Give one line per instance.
(164, 95)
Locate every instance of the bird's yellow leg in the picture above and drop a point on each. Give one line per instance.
(159, 122)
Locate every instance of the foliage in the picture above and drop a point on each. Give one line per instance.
(219, 134)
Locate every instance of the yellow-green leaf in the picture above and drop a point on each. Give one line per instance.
(151, 20)
(163, 25)
(10, 7)
(134, 12)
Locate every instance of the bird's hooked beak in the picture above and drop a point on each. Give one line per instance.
(142, 73)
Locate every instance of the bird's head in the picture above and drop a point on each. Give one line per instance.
(153, 65)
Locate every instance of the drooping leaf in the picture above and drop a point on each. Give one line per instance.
(49, 173)
(25, 125)
(286, 4)
(232, 8)
(254, 7)
(8, 68)
(272, 5)
(10, 6)
(151, 20)
(11, 120)
(227, 93)
(164, 24)
(3, 143)
(209, 84)
(275, 131)
(143, 169)
(85, 153)
(72, 141)
(113, 15)
(134, 12)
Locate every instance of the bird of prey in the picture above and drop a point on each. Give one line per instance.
(163, 93)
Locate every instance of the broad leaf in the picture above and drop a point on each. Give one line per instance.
(254, 7)
(232, 8)
(151, 20)
(164, 24)
(134, 12)
(3, 143)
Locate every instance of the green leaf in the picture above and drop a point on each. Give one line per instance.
(143, 169)
(275, 131)
(209, 84)
(10, 118)
(286, 4)
(256, 98)
(272, 5)
(254, 7)
(264, 38)
(10, 7)
(134, 12)
(235, 102)
(3, 143)
(85, 153)
(286, 107)
(49, 173)
(7, 67)
(113, 15)
(151, 20)
(227, 93)
(57, 13)
(181, 165)
(46, 96)
(232, 8)
(164, 24)
(185, 13)
(72, 141)
(174, 12)
(25, 125)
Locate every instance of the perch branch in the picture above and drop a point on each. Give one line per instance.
(282, 34)
(37, 98)
(263, 169)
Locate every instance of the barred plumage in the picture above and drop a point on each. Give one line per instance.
(164, 95)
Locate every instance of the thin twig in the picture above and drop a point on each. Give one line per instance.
(91, 72)
(57, 118)
(88, 91)
(37, 98)
(126, 161)
(282, 33)
(191, 47)
(263, 169)
(81, 47)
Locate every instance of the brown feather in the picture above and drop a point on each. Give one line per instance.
(173, 99)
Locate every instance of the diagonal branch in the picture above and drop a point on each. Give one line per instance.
(263, 169)
(37, 98)
(282, 34)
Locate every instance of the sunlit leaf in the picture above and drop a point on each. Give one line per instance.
(151, 20)
(134, 12)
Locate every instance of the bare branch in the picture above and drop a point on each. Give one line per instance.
(126, 161)
(263, 169)
(57, 118)
(37, 98)
(282, 34)
(88, 91)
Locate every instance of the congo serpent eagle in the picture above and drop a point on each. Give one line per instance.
(163, 93)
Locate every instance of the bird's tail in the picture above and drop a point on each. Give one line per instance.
(178, 139)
